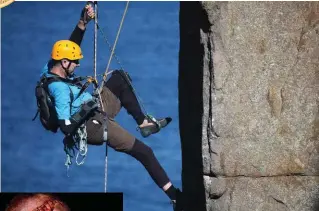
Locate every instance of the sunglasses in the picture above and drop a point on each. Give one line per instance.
(77, 61)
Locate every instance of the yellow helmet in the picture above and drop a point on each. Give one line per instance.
(66, 49)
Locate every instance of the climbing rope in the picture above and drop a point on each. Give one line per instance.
(106, 73)
(110, 47)
(112, 52)
(95, 38)
(117, 36)
(100, 98)
(119, 63)
(95, 75)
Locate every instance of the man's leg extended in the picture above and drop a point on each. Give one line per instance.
(122, 141)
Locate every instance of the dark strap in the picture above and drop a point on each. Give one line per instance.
(72, 99)
(36, 115)
(51, 79)
(86, 85)
(56, 77)
(75, 82)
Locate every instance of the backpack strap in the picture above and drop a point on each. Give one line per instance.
(44, 83)
(46, 80)
(66, 81)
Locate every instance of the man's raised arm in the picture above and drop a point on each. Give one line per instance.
(87, 14)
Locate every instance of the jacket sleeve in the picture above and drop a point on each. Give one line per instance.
(77, 35)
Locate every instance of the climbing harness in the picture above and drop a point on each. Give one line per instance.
(45, 104)
(78, 138)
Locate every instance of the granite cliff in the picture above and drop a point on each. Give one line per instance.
(248, 103)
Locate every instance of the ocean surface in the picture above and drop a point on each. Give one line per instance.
(32, 159)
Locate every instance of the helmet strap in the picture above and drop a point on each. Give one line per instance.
(67, 68)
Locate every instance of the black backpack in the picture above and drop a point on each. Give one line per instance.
(45, 102)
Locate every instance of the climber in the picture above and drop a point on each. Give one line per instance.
(73, 109)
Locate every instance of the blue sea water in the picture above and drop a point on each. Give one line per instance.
(32, 158)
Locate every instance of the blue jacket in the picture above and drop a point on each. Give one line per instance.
(60, 91)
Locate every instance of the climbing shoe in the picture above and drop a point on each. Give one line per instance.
(178, 203)
(157, 125)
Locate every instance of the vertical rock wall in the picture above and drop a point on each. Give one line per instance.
(249, 97)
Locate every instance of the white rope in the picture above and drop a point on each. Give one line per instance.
(95, 48)
(81, 139)
(105, 171)
(101, 102)
(117, 36)
(99, 93)
(95, 40)
(110, 47)
(106, 72)
(104, 78)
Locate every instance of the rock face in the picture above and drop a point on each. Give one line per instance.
(249, 98)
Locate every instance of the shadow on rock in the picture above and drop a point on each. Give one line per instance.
(192, 21)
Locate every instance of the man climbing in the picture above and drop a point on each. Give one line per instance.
(75, 107)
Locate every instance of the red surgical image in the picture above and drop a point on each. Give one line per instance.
(36, 202)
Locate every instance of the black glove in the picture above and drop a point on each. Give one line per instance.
(87, 13)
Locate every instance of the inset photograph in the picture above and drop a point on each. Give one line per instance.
(61, 201)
